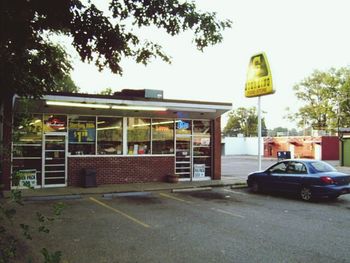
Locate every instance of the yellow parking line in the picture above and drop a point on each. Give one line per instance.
(174, 198)
(119, 212)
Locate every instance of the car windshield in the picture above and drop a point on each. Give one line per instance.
(322, 167)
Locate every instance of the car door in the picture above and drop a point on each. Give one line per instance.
(275, 175)
(292, 179)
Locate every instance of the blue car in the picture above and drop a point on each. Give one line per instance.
(308, 178)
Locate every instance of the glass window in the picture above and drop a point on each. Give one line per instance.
(183, 127)
(320, 167)
(82, 134)
(55, 123)
(296, 168)
(139, 136)
(27, 129)
(162, 136)
(27, 144)
(279, 168)
(202, 148)
(201, 127)
(109, 135)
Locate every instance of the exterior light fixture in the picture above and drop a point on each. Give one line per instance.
(142, 108)
(75, 104)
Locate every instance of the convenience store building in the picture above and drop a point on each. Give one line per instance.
(133, 136)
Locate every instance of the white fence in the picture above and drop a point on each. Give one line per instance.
(242, 146)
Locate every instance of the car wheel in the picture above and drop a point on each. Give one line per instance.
(255, 187)
(305, 193)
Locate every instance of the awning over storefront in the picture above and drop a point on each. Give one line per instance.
(270, 141)
(295, 142)
(71, 103)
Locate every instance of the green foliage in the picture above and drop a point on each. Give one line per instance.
(9, 241)
(243, 121)
(327, 100)
(31, 65)
(285, 131)
(51, 257)
(107, 91)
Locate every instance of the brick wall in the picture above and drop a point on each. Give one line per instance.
(118, 170)
(6, 147)
(217, 149)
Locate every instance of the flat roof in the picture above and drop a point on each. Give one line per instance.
(172, 108)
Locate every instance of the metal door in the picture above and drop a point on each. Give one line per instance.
(54, 160)
(183, 157)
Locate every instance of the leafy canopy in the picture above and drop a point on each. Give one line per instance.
(326, 95)
(243, 121)
(31, 64)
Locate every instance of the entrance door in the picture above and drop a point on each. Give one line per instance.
(292, 150)
(318, 152)
(346, 152)
(54, 160)
(183, 161)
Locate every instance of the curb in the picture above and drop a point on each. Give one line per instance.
(52, 198)
(194, 189)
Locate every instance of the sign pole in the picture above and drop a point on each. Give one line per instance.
(259, 132)
(259, 83)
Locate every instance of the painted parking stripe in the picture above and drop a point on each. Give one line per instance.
(235, 192)
(175, 198)
(227, 212)
(120, 212)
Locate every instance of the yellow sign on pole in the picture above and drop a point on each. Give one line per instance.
(259, 78)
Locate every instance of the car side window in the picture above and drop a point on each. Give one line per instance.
(296, 168)
(279, 168)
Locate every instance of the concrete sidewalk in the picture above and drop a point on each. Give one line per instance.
(71, 192)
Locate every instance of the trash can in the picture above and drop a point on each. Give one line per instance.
(88, 177)
(281, 155)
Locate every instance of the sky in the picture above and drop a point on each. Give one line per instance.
(298, 37)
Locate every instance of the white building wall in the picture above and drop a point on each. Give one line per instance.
(242, 146)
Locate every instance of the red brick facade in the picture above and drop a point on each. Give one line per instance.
(7, 142)
(304, 146)
(118, 170)
(217, 149)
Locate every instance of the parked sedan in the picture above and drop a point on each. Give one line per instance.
(307, 178)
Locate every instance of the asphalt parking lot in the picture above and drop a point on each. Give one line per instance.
(218, 225)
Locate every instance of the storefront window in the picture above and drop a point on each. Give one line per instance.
(201, 127)
(27, 145)
(55, 123)
(82, 135)
(202, 148)
(139, 136)
(162, 136)
(183, 127)
(27, 129)
(109, 135)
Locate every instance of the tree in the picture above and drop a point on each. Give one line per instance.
(243, 121)
(107, 91)
(327, 100)
(284, 131)
(31, 64)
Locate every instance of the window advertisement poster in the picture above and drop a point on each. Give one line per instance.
(55, 123)
(199, 170)
(82, 131)
(27, 178)
(183, 127)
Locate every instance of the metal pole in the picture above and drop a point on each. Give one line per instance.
(259, 132)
